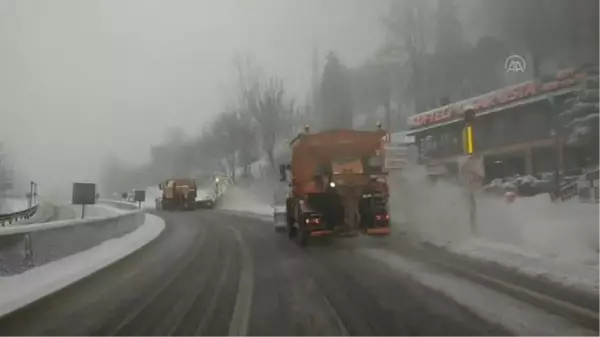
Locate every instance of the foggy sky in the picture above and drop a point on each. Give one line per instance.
(80, 79)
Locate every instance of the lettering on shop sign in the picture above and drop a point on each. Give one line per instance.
(561, 80)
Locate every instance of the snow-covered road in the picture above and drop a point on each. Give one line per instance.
(519, 317)
(215, 273)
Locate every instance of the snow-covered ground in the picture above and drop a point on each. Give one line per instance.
(254, 198)
(11, 205)
(532, 234)
(22, 289)
(518, 317)
(95, 211)
(152, 193)
(583, 276)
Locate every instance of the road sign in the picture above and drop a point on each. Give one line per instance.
(139, 195)
(84, 194)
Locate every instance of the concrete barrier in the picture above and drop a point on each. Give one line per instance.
(28, 246)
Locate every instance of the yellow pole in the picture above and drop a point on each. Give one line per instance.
(469, 134)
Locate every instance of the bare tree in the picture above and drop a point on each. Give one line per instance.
(229, 135)
(335, 95)
(265, 102)
(406, 41)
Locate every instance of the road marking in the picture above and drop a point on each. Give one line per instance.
(138, 310)
(176, 315)
(208, 313)
(243, 302)
(337, 318)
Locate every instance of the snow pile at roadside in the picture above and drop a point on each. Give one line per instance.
(95, 211)
(439, 213)
(566, 231)
(22, 289)
(152, 193)
(255, 197)
(536, 235)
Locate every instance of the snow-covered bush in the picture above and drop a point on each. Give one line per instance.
(580, 119)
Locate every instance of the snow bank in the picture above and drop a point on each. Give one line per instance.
(22, 289)
(582, 276)
(567, 231)
(541, 236)
(95, 211)
(439, 212)
(255, 197)
(152, 193)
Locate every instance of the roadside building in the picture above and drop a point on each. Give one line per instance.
(516, 130)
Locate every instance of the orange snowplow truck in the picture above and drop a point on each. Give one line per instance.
(338, 184)
(178, 194)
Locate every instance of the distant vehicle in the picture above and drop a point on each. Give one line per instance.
(279, 216)
(209, 197)
(178, 194)
(338, 184)
(131, 196)
(279, 213)
(205, 200)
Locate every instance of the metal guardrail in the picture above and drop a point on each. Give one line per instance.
(28, 246)
(9, 218)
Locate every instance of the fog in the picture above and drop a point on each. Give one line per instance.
(82, 79)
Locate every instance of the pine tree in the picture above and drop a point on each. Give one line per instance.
(336, 101)
(580, 120)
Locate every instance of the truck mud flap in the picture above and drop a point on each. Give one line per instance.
(378, 231)
(321, 233)
(343, 232)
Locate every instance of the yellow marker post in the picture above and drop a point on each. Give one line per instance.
(468, 140)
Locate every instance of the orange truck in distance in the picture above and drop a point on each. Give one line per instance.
(178, 194)
(338, 184)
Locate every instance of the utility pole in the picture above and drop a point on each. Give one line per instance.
(30, 195)
(34, 196)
